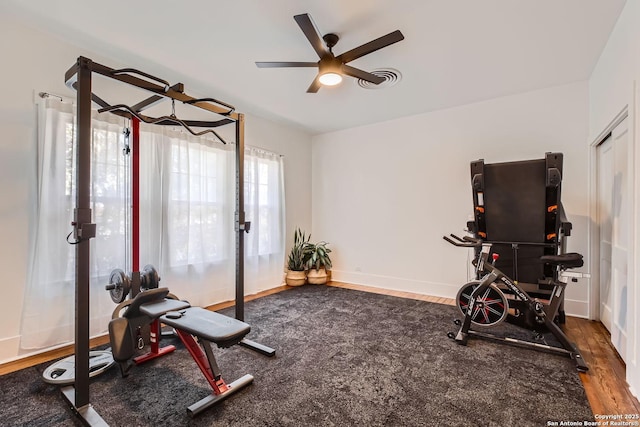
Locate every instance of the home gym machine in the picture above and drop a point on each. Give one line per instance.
(137, 323)
(196, 327)
(484, 303)
(519, 226)
(79, 77)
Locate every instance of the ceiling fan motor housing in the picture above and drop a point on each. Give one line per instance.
(331, 40)
(329, 64)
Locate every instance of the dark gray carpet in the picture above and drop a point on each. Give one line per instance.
(344, 358)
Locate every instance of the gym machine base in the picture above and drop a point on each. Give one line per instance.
(88, 415)
(262, 349)
(196, 327)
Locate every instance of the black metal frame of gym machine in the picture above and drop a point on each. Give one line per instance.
(79, 77)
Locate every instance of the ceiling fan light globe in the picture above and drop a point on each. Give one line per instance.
(330, 79)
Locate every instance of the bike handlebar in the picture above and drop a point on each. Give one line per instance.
(464, 242)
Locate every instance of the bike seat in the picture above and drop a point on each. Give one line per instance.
(570, 260)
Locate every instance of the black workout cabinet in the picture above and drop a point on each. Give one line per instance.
(519, 236)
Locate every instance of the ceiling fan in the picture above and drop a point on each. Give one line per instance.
(331, 68)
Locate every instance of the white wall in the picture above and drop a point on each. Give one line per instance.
(295, 145)
(611, 82)
(34, 61)
(613, 86)
(385, 194)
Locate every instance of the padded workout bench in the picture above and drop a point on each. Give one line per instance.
(190, 323)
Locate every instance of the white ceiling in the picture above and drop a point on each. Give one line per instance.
(455, 52)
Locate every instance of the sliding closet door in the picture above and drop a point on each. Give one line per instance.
(613, 219)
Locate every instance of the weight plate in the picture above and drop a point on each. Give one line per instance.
(63, 371)
(149, 278)
(122, 285)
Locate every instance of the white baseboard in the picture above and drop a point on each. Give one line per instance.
(634, 392)
(423, 287)
(444, 290)
(576, 308)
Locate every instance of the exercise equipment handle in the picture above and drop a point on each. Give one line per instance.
(224, 104)
(165, 83)
(464, 242)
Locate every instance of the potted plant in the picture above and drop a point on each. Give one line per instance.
(298, 258)
(318, 263)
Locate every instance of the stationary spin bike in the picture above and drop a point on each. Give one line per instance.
(485, 304)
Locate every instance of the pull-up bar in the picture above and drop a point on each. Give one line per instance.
(128, 75)
(79, 77)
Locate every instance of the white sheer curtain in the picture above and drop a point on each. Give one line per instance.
(48, 313)
(188, 199)
(187, 210)
(187, 204)
(264, 207)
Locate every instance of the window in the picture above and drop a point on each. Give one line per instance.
(109, 190)
(264, 202)
(196, 204)
(187, 187)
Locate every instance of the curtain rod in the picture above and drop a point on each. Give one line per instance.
(54, 95)
(263, 151)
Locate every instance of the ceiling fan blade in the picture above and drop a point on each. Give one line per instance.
(285, 64)
(315, 85)
(309, 29)
(361, 74)
(372, 46)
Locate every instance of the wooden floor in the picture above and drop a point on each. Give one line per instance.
(604, 384)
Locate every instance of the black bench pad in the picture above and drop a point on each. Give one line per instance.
(158, 308)
(223, 330)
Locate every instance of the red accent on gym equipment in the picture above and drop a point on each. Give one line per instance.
(135, 195)
(156, 350)
(217, 384)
